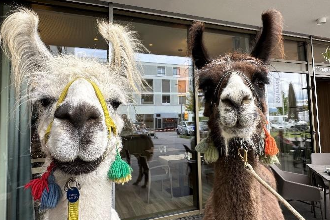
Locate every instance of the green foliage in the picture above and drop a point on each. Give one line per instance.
(326, 54)
(191, 102)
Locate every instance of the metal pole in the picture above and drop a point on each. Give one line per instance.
(315, 96)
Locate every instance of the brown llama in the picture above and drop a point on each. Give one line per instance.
(234, 87)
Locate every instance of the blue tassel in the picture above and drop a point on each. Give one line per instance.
(50, 197)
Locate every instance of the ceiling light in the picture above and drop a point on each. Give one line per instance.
(95, 39)
(322, 20)
(150, 45)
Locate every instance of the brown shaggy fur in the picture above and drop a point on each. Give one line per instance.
(236, 195)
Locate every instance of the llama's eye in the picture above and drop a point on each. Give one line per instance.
(115, 104)
(46, 101)
(259, 84)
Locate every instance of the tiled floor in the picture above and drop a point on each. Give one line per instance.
(303, 209)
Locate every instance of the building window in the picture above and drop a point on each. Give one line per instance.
(148, 85)
(182, 86)
(166, 99)
(176, 71)
(147, 99)
(161, 71)
(166, 85)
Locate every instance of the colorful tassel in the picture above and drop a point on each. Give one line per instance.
(212, 154)
(269, 159)
(51, 195)
(202, 145)
(120, 171)
(38, 185)
(45, 189)
(270, 144)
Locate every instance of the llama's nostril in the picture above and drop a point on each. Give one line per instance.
(63, 112)
(78, 115)
(230, 102)
(93, 115)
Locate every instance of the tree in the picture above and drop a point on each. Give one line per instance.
(292, 101)
(190, 103)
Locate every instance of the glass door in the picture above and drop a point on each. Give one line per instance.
(289, 120)
(164, 177)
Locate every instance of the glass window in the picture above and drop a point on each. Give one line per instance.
(176, 71)
(164, 180)
(289, 121)
(182, 84)
(226, 42)
(293, 50)
(64, 31)
(161, 70)
(166, 85)
(166, 99)
(148, 85)
(320, 49)
(147, 99)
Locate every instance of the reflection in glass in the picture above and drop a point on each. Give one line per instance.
(289, 119)
(156, 144)
(165, 170)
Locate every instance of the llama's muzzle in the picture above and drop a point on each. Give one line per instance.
(78, 138)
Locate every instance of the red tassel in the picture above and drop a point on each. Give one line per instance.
(38, 185)
(270, 144)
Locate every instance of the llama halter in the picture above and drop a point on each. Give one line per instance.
(45, 188)
(111, 127)
(246, 79)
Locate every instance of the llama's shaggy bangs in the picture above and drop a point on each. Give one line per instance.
(63, 69)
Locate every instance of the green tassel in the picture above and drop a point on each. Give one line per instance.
(202, 145)
(268, 160)
(120, 171)
(212, 154)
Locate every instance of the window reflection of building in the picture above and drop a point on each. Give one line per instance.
(289, 119)
(163, 94)
(170, 74)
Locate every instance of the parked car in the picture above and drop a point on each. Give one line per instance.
(283, 126)
(186, 128)
(301, 126)
(203, 129)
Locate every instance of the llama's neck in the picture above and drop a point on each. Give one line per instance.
(236, 194)
(95, 201)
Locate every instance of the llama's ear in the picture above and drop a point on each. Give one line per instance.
(196, 45)
(21, 42)
(124, 47)
(271, 36)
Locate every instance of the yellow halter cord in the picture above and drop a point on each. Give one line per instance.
(108, 120)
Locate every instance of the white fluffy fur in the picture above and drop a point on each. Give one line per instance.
(47, 75)
(95, 200)
(64, 145)
(239, 93)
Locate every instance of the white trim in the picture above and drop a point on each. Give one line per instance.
(4, 113)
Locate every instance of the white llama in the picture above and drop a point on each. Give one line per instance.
(78, 127)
